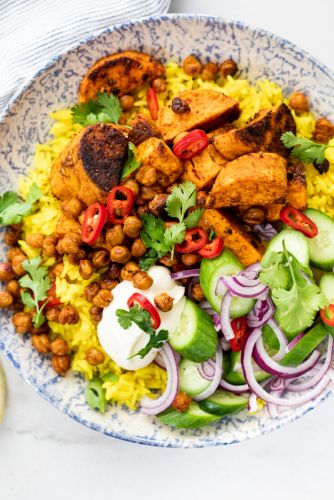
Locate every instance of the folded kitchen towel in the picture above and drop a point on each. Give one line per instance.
(33, 31)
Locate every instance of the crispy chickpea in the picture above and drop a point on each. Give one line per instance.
(61, 364)
(146, 175)
(38, 330)
(164, 302)
(107, 283)
(41, 343)
(11, 237)
(72, 208)
(35, 240)
(120, 254)
(209, 71)
(114, 271)
(190, 259)
(129, 270)
(49, 246)
(13, 287)
(192, 66)
(6, 299)
(323, 130)
(100, 258)
(127, 102)
(68, 316)
(58, 269)
(70, 243)
(149, 192)
(254, 215)
(13, 252)
(90, 291)
(96, 313)
(198, 292)
(115, 235)
(94, 356)
(181, 402)
(17, 265)
(75, 258)
(85, 269)
(142, 210)
(52, 314)
(298, 102)
(228, 68)
(59, 347)
(142, 280)
(159, 85)
(132, 226)
(22, 322)
(157, 204)
(6, 271)
(132, 185)
(167, 261)
(102, 298)
(138, 249)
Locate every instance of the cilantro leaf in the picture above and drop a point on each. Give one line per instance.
(276, 273)
(175, 234)
(212, 235)
(156, 341)
(182, 197)
(95, 395)
(304, 149)
(148, 260)
(38, 281)
(12, 211)
(104, 109)
(137, 315)
(131, 163)
(193, 218)
(152, 234)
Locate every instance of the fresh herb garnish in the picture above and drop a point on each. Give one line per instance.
(12, 210)
(212, 235)
(156, 341)
(95, 395)
(104, 109)
(304, 149)
(148, 260)
(39, 282)
(131, 163)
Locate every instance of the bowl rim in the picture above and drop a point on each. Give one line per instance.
(15, 100)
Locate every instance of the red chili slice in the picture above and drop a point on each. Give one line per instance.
(239, 327)
(144, 303)
(299, 221)
(152, 102)
(94, 220)
(212, 249)
(120, 202)
(191, 144)
(194, 240)
(327, 315)
(52, 300)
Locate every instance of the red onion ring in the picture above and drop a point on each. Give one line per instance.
(258, 291)
(225, 317)
(160, 362)
(189, 273)
(265, 231)
(216, 379)
(154, 406)
(235, 389)
(283, 341)
(252, 268)
(262, 312)
(252, 403)
(216, 322)
(206, 370)
(277, 388)
(294, 341)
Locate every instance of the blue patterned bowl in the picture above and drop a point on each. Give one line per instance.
(26, 122)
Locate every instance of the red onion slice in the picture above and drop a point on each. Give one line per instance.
(216, 379)
(154, 406)
(262, 312)
(283, 341)
(225, 317)
(236, 389)
(207, 370)
(294, 341)
(160, 362)
(189, 273)
(258, 291)
(265, 231)
(216, 322)
(253, 268)
(252, 403)
(277, 388)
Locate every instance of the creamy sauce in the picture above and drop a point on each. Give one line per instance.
(119, 343)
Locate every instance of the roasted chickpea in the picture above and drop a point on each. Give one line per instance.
(6, 299)
(61, 364)
(114, 271)
(323, 130)
(167, 261)
(181, 402)
(142, 280)
(115, 235)
(298, 102)
(190, 259)
(127, 102)
(159, 85)
(13, 252)
(13, 287)
(75, 258)
(90, 291)
(22, 322)
(17, 265)
(96, 313)
(49, 246)
(68, 316)
(100, 258)
(129, 270)
(209, 71)
(41, 343)
(192, 66)
(142, 210)
(70, 243)
(132, 226)
(6, 271)
(11, 237)
(52, 314)
(157, 204)
(94, 356)
(120, 254)
(107, 283)
(132, 185)
(85, 269)
(146, 175)
(58, 269)
(35, 240)
(149, 192)
(228, 68)
(201, 199)
(164, 302)
(198, 292)
(72, 208)
(254, 215)
(138, 249)
(59, 347)
(102, 298)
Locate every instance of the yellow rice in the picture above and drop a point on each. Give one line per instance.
(131, 386)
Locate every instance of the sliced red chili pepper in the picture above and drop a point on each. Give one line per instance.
(52, 300)
(191, 144)
(327, 315)
(152, 102)
(194, 240)
(212, 249)
(94, 220)
(144, 303)
(120, 202)
(299, 221)
(239, 327)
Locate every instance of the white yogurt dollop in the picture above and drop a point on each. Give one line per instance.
(121, 344)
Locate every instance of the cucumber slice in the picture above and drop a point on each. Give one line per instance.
(195, 337)
(193, 418)
(295, 242)
(305, 346)
(211, 270)
(190, 381)
(235, 374)
(326, 285)
(322, 246)
(224, 403)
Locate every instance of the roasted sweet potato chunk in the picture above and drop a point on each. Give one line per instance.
(203, 168)
(156, 153)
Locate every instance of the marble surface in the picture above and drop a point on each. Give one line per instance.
(43, 454)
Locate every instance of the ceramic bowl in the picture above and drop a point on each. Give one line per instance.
(26, 122)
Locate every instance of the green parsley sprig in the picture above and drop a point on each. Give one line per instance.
(304, 149)
(104, 109)
(12, 210)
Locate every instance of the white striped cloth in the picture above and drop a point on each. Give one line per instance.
(33, 31)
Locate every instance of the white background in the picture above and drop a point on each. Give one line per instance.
(44, 455)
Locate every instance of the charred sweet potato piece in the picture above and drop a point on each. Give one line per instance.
(203, 168)
(142, 129)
